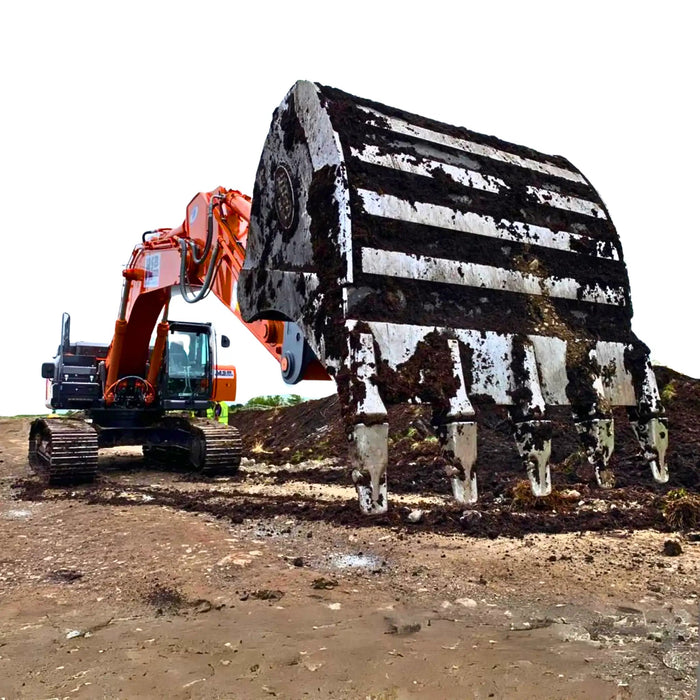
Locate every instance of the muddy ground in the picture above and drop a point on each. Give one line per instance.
(268, 584)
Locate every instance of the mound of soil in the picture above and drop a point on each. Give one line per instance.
(314, 430)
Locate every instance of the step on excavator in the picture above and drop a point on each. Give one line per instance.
(410, 261)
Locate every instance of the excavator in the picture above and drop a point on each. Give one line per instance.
(137, 394)
(408, 260)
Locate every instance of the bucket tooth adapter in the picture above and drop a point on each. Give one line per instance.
(425, 262)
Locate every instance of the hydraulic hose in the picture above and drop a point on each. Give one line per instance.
(198, 259)
(206, 285)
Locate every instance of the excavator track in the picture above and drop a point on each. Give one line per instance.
(216, 448)
(65, 450)
(213, 449)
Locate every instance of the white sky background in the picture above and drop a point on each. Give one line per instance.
(115, 115)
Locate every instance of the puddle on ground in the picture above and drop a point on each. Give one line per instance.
(356, 561)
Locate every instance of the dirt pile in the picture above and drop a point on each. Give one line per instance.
(314, 430)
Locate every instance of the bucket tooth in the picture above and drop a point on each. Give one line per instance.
(369, 435)
(653, 438)
(369, 455)
(533, 434)
(591, 409)
(458, 444)
(534, 442)
(598, 439)
(457, 436)
(648, 418)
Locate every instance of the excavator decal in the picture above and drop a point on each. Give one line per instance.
(152, 271)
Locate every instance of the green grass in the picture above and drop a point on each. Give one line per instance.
(272, 401)
(27, 415)
(668, 393)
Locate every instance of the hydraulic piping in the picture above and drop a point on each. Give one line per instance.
(197, 259)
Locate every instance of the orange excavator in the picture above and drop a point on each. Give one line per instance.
(408, 259)
(128, 389)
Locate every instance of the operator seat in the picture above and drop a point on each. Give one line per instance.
(177, 358)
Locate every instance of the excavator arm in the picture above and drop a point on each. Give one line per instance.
(204, 254)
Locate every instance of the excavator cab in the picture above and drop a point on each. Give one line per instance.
(186, 379)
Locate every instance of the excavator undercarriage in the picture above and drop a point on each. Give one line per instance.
(65, 450)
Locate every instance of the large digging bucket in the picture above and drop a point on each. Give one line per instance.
(424, 261)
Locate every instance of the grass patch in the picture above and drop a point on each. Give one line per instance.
(574, 462)
(27, 415)
(259, 448)
(522, 499)
(681, 509)
(274, 401)
(668, 393)
(298, 457)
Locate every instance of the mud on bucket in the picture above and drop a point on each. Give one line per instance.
(426, 262)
